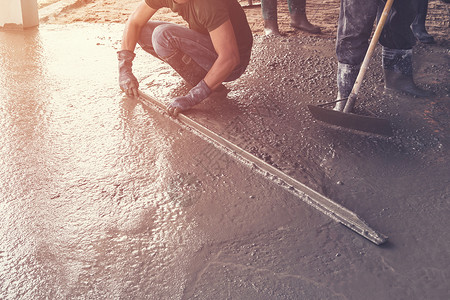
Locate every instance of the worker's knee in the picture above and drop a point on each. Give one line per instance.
(165, 40)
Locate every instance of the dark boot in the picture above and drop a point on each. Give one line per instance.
(297, 10)
(184, 65)
(269, 13)
(418, 25)
(346, 77)
(398, 72)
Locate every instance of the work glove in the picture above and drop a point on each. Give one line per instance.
(196, 95)
(127, 81)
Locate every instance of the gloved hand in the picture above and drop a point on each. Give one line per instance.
(196, 95)
(127, 81)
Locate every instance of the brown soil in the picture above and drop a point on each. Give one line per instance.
(320, 12)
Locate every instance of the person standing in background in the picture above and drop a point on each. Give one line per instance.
(356, 19)
(297, 12)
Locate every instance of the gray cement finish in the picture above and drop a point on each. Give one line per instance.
(102, 198)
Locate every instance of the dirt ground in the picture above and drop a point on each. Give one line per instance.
(320, 12)
(323, 12)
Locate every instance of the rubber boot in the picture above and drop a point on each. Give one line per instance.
(398, 72)
(297, 11)
(346, 77)
(184, 65)
(418, 25)
(271, 28)
(269, 13)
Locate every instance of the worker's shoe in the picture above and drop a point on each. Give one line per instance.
(398, 72)
(346, 77)
(270, 16)
(188, 69)
(418, 25)
(300, 21)
(422, 35)
(271, 28)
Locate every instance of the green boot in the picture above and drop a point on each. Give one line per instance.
(297, 10)
(269, 13)
(271, 27)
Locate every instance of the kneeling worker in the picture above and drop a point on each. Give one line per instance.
(215, 48)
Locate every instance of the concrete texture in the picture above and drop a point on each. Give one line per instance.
(102, 198)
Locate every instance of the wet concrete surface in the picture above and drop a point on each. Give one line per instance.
(104, 198)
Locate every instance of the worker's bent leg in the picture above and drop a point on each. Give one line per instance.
(169, 40)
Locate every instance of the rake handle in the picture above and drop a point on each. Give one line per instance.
(365, 64)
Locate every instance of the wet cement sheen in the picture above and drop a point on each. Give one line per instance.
(101, 198)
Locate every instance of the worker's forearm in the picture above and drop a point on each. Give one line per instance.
(135, 23)
(130, 36)
(221, 69)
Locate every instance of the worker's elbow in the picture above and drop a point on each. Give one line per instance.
(229, 61)
(235, 60)
(133, 22)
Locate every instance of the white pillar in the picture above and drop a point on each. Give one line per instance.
(18, 14)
